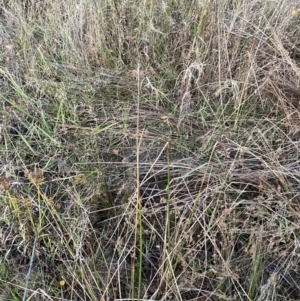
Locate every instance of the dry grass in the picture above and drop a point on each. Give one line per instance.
(149, 150)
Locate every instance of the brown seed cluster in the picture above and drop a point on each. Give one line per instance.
(4, 183)
(36, 177)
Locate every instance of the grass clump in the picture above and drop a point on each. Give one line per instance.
(149, 151)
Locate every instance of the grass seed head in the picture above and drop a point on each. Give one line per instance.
(36, 177)
(4, 183)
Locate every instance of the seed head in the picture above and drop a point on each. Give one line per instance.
(4, 183)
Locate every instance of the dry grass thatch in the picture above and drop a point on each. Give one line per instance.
(149, 150)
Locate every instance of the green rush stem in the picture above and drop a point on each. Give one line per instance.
(139, 216)
(40, 209)
(168, 196)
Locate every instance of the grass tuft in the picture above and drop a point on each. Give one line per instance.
(149, 150)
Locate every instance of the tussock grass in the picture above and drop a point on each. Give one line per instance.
(149, 150)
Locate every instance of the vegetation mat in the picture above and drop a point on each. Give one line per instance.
(149, 150)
